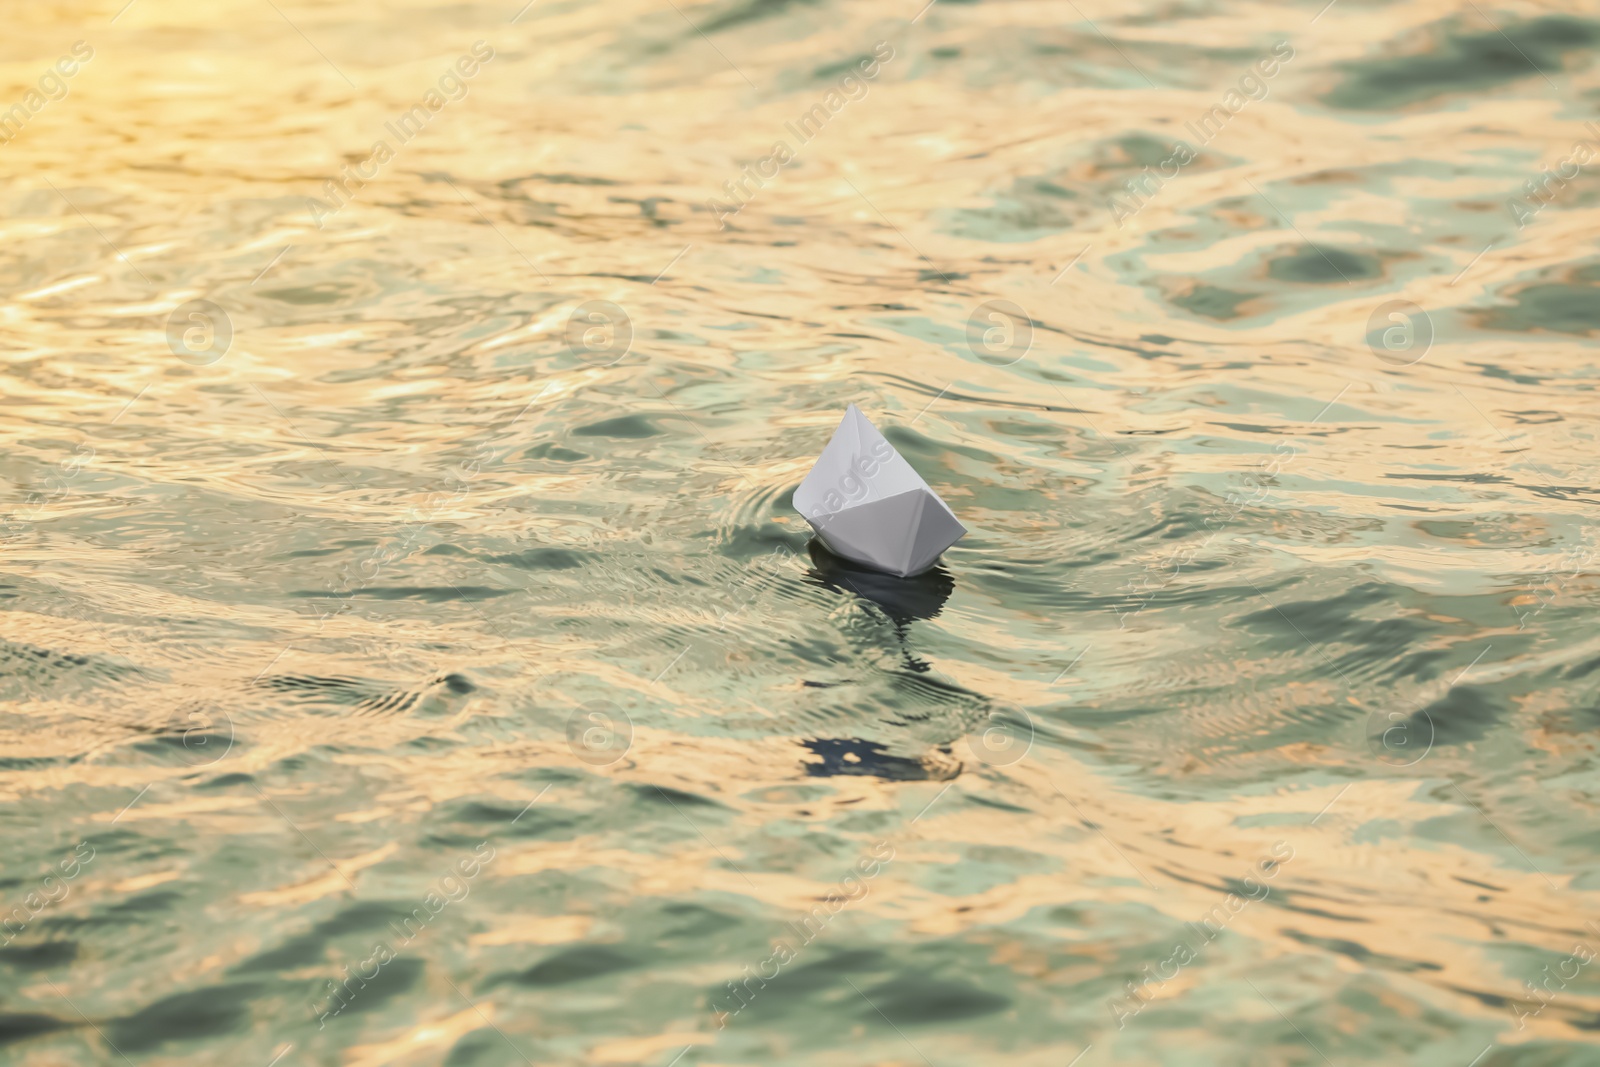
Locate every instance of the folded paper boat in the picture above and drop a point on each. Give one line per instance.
(868, 506)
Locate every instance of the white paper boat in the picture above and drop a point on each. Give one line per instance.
(868, 506)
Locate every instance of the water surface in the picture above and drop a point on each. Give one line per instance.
(411, 654)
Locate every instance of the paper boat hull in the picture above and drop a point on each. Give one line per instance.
(868, 506)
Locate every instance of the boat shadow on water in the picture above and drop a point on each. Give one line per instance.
(923, 715)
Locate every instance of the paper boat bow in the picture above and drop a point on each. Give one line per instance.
(868, 506)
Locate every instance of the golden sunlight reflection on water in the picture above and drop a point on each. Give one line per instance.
(402, 407)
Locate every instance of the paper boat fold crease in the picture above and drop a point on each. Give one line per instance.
(868, 506)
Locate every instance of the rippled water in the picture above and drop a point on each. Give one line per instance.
(411, 654)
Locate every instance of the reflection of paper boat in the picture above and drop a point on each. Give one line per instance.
(868, 505)
(902, 599)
